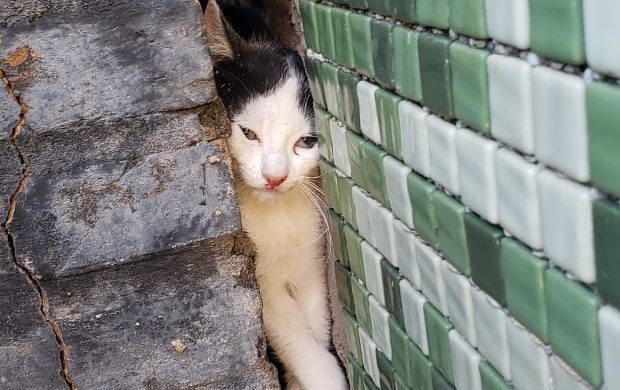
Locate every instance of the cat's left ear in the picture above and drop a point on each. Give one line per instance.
(222, 39)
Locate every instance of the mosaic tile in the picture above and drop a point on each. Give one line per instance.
(465, 362)
(307, 10)
(476, 161)
(385, 235)
(524, 276)
(556, 29)
(413, 309)
(374, 174)
(386, 372)
(354, 252)
(564, 377)
(573, 325)
(607, 248)
(331, 88)
(382, 51)
(313, 70)
(433, 284)
(442, 148)
(470, 87)
(404, 10)
(351, 332)
(372, 270)
(343, 43)
(349, 104)
(450, 216)
(517, 194)
(321, 120)
(604, 135)
(468, 17)
(336, 227)
(601, 34)
(510, 91)
(529, 363)
(460, 304)
(380, 326)
(421, 368)
(433, 13)
(421, 192)
(435, 71)
(391, 291)
(363, 213)
(330, 184)
(369, 118)
(609, 323)
(369, 356)
(362, 44)
(407, 63)
(439, 382)
(325, 31)
(400, 353)
(347, 207)
(405, 242)
(360, 301)
(339, 142)
(343, 284)
(396, 174)
(437, 330)
(490, 379)
(414, 137)
(389, 122)
(508, 21)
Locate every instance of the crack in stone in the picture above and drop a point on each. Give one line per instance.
(26, 269)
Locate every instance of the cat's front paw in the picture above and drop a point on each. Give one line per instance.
(325, 374)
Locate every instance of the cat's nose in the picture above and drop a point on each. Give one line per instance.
(274, 181)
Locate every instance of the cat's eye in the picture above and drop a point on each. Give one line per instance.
(306, 142)
(249, 134)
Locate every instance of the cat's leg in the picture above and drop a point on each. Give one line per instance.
(292, 338)
(313, 300)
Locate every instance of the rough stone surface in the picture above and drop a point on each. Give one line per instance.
(9, 112)
(119, 323)
(82, 60)
(10, 174)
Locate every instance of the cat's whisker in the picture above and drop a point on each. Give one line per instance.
(320, 209)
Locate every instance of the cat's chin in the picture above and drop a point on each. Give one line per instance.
(267, 195)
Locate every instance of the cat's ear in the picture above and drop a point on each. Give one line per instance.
(223, 41)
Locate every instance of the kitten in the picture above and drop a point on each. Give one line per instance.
(274, 144)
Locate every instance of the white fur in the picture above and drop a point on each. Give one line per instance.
(288, 228)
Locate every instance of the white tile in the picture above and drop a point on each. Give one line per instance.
(460, 304)
(491, 335)
(564, 378)
(364, 214)
(517, 192)
(414, 137)
(384, 233)
(369, 120)
(476, 160)
(602, 35)
(339, 143)
(465, 362)
(372, 271)
(396, 182)
(405, 251)
(380, 326)
(510, 101)
(529, 363)
(413, 311)
(433, 285)
(442, 147)
(369, 356)
(560, 126)
(566, 216)
(609, 323)
(508, 21)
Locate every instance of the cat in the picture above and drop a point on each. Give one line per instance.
(274, 145)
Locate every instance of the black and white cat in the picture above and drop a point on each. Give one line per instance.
(264, 88)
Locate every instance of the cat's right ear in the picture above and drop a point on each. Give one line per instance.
(223, 41)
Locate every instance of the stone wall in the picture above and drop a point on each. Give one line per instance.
(119, 217)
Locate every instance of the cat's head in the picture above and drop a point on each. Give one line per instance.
(265, 91)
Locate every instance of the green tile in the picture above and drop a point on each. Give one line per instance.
(437, 329)
(436, 74)
(382, 52)
(374, 174)
(391, 291)
(336, 227)
(384, 7)
(556, 29)
(351, 332)
(491, 379)
(470, 89)
(483, 241)
(524, 276)
(361, 4)
(330, 184)
(389, 121)
(606, 217)
(343, 44)
(400, 384)
(357, 379)
(331, 87)
(369, 384)
(325, 30)
(360, 301)
(573, 325)
(356, 158)
(313, 70)
(407, 63)
(439, 382)
(386, 372)
(362, 44)
(400, 353)
(354, 251)
(308, 19)
(345, 191)
(450, 216)
(349, 103)
(433, 13)
(603, 101)
(468, 17)
(421, 367)
(343, 284)
(321, 120)
(424, 220)
(404, 10)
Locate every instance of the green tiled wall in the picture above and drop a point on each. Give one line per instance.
(499, 230)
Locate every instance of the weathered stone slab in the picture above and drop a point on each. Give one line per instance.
(120, 323)
(83, 60)
(29, 355)
(10, 174)
(104, 214)
(9, 112)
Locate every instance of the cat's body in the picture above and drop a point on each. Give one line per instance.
(274, 145)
